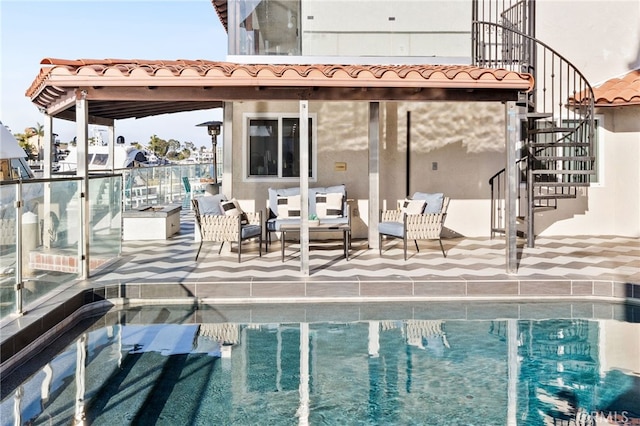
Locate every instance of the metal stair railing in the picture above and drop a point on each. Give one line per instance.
(556, 155)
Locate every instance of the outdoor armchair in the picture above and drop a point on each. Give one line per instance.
(419, 218)
(224, 221)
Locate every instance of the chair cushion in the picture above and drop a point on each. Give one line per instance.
(232, 208)
(412, 206)
(434, 201)
(395, 229)
(329, 205)
(210, 205)
(248, 231)
(288, 206)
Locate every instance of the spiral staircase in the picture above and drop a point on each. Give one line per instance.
(557, 116)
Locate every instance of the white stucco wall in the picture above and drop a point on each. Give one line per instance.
(602, 39)
(611, 207)
(464, 140)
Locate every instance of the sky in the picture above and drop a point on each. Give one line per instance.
(101, 29)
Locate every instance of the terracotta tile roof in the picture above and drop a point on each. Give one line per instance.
(221, 10)
(209, 71)
(619, 91)
(209, 81)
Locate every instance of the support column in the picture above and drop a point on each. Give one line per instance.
(82, 145)
(49, 151)
(227, 148)
(111, 140)
(511, 193)
(304, 187)
(374, 173)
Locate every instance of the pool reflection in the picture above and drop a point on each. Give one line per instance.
(127, 370)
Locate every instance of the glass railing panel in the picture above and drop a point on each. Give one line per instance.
(51, 231)
(8, 252)
(105, 232)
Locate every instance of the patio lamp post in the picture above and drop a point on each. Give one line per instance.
(213, 128)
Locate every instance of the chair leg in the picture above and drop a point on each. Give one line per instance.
(239, 249)
(380, 243)
(442, 248)
(416, 242)
(404, 240)
(198, 253)
(220, 249)
(260, 246)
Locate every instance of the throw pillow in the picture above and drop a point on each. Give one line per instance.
(434, 201)
(412, 206)
(329, 205)
(288, 207)
(210, 205)
(232, 208)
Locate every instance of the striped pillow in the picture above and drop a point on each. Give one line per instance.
(232, 208)
(329, 205)
(288, 207)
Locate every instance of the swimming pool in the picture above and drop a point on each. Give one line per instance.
(428, 363)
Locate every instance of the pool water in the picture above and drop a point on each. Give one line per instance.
(172, 366)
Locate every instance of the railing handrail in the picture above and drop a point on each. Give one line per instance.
(497, 45)
(540, 43)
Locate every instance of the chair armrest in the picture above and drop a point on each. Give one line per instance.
(254, 218)
(424, 226)
(207, 221)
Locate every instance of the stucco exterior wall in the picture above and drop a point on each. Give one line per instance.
(611, 207)
(604, 42)
(400, 28)
(455, 149)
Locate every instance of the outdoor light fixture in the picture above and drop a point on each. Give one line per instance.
(213, 128)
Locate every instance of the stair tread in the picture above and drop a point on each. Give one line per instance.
(562, 172)
(553, 197)
(553, 130)
(552, 184)
(537, 115)
(559, 144)
(563, 158)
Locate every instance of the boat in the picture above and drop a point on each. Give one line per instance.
(98, 158)
(13, 163)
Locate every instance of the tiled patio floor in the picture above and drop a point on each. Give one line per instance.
(469, 260)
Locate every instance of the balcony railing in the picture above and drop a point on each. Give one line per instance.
(42, 230)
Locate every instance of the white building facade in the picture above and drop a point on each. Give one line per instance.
(449, 147)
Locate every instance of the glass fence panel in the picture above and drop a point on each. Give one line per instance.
(165, 184)
(51, 231)
(105, 233)
(8, 252)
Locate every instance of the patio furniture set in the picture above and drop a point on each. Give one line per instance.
(222, 220)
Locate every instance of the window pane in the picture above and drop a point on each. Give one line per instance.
(291, 147)
(259, 27)
(263, 147)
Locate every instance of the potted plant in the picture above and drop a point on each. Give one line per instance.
(313, 220)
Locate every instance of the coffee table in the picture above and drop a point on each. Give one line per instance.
(344, 228)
